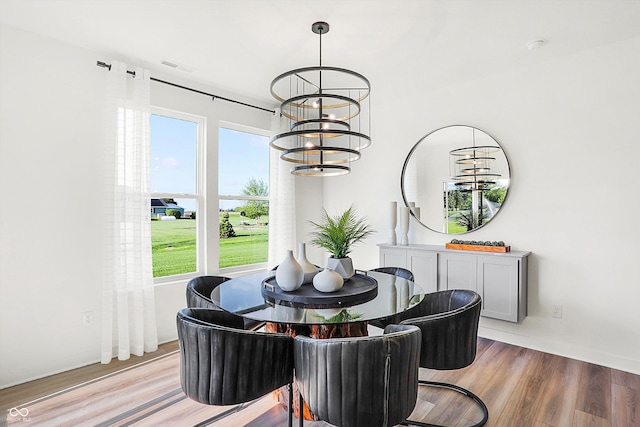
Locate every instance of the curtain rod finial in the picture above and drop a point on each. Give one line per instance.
(103, 64)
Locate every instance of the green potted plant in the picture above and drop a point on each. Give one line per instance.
(337, 235)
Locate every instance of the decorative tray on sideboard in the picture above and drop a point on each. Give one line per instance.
(479, 248)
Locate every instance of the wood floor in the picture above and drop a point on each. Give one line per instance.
(521, 387)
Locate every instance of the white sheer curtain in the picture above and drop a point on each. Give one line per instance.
(282, 201)
(128, 308)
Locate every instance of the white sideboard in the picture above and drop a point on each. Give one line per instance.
(499, 278)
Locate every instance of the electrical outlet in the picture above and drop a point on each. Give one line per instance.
(557, 312)
(87, 318)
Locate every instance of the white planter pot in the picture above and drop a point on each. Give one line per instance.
(342, 266)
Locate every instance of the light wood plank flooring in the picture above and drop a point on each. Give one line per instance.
(521, 387)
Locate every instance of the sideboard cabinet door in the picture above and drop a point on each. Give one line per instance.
(391, 257)
(457, 271)
(424, 266)
(496, 280)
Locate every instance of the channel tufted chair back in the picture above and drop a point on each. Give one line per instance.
(199, 296)
(396, 271)
(199, 291)
(222, 364)
(360, 381)
(449, 324)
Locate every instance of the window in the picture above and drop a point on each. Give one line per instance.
(176, 141)
(243, 187)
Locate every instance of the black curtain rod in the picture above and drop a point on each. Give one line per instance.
(214, 97)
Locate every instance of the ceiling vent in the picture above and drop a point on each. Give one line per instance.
(177, 66)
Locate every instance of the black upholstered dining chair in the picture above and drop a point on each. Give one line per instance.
(449, 324)
(199, 296)
(199, 291)
(395, 271)
(360, 381)
(223, 364)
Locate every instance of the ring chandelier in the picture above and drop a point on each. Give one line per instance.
(328, 113)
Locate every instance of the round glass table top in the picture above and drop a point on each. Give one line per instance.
(243, 296)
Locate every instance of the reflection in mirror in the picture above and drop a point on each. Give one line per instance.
(455, 179)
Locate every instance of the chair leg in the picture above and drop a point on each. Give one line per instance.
(469, 394)
(300, 410)
(290, 406)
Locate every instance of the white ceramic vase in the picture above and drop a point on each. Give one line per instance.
(403, 221)
(393, 221)
(327, 281)
(308, 269)
(289, 274)
(342, 266)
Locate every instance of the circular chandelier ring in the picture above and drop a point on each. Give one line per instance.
(472, 160)
(288, 105)
(347, 101)
(344, 124)
(474, 176)
(296, 73)
(320, 170)
(288, 155)
(320, 132)
(467, 150)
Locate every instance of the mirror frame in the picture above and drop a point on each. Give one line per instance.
(412, 151)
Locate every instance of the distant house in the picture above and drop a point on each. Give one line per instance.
(159, 208)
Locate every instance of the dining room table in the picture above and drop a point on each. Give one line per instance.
(365, 297)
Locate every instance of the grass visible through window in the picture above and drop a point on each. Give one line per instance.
(174, 245)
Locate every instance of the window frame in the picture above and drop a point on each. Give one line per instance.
(201, 208)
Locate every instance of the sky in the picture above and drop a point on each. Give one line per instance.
(242, 156)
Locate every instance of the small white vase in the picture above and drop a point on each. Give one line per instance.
(403, 222)
(289, 274)
(327, 281)
(342, 266)
(308, 269)
(393, 221)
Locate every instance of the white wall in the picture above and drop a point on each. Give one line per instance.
(50, 241)
(50, 175)
(571, 130)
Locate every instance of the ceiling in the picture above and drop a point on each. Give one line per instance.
(408, 46)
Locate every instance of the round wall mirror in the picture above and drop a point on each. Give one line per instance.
(455, 179)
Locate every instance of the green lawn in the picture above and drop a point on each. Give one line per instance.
(455, 228)
(174, 245)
